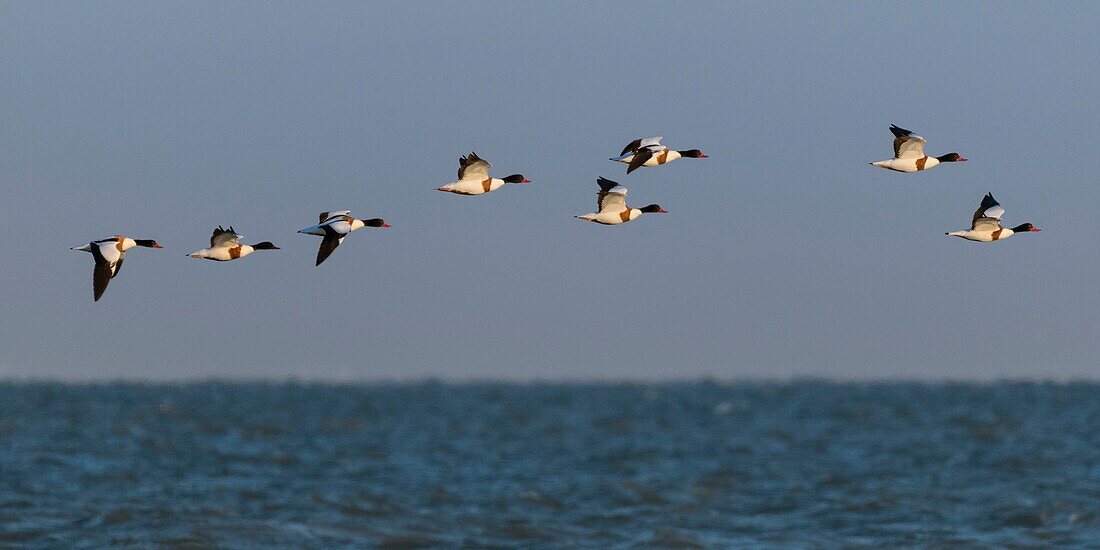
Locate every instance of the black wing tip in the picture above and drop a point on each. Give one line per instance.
(328, 246)
(898, 131)
(97, 293)
(606, 184)
(468, 159)
(631, 147)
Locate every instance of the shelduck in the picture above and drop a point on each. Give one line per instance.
(334, 226)
(474, 179)
(650, 152)
(611, 201)
(225, 246)
(986, 225)
(909, 154)
(109, 254)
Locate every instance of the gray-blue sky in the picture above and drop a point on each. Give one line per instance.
(784, 253)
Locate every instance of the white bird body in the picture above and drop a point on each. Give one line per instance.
(109, 254)
(474, 179)
(613, 218)
(340, 223)
(334, 227)
(110, 249)
(473, 187)
(985, 235)
(225, 245)
(909, 156)
(907, 165)
(664, 156)
(985, 225)
(650, 152)
(223, 253)
(611, 200)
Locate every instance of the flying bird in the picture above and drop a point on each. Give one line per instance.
(474, 179)
(611, 201)
(109, 254)
(225, 245)
(909, 154)
(334, 226)
(650, 152)
(986, 225)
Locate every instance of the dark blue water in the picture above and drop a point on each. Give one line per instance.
(665, 465)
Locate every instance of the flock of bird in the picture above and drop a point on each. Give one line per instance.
(474, 179)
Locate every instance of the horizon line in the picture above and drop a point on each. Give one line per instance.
(535, 381)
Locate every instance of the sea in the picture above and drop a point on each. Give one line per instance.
(798, 464)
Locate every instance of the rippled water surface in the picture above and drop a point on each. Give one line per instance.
(664, 465)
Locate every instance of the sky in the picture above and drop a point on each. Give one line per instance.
(783, 255)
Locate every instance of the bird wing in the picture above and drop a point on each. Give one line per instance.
(325, 216)
(906, 144)
(988, 215)
(986, 224)
(108, 261)
(612, 196)
(631, 147)
(642, 155)
(473, 167)
(606, 184)
(101, 276)
(224, 237)
(328, 244)
(639, 143)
